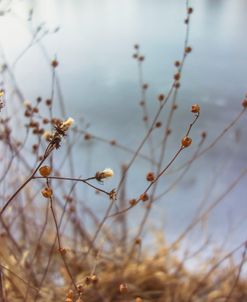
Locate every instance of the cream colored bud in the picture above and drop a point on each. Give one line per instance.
(107, 173)
(26, 103)
(48, 135)
(67, 124)
(104, 174)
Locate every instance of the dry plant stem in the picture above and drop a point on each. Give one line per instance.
(17, 276)
(160, 108)
(14, 287)
(18, 58)
(117, 145)
(168, 125)
(75, 179)
(68, 155)
(12, 77)
(48, 151)
(145, 138)
(209, 209)
(16, 245)
(123, 219)
(57, 81)
(220, 281)
(162, 155)
(36, 251)
(46, 269)
(148, 209)
(49, 261)
(144, 105)
(161, 173)
(59, 240)
(214, 142)
(180, 177)
(135, 155)
(238, 275)
(2, 295)
(51, 106)
(100, 226)
(214, 267)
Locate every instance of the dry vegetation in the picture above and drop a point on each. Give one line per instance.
(47, 250)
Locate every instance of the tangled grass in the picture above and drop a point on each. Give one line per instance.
(53, 247)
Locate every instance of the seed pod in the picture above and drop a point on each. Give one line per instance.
(138, 241)
(123, 288)
(188, 49)
(100, 175)
(177, 76)
(87, 136)
(190, 10)
(195, 108)
(150, 176)
(47, 192)
(45, 171)
(244, 104)
(133, 202)
(161, 97)
(186, 141)
(144, 197)
(54, 63)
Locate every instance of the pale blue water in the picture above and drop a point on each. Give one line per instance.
(99, 81)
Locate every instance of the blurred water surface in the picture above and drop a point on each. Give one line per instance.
(99, 81)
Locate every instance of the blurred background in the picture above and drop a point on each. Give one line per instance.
(93, 42)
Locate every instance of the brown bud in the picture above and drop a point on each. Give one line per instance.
(138, 241)
(54, 63)
(188, 49)
(123, 288)
(190, 10)
(144, 197)
(161, 97)
(87, 136)
(133, 202)
(158, 124)
(113, 142)
(48, 102)
(150, 176)
(244, 103)
(47, 192)
(186, 141)
(195, 108)
(45, 171)
(177, 76)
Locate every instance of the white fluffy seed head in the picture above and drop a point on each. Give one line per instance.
(106, 173)
(67, 124)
